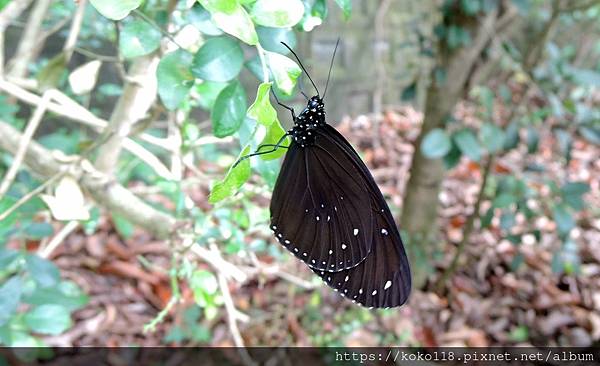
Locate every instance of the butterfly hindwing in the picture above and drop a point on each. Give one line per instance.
(320, 209)
(383, 278)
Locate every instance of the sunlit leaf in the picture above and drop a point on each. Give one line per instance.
(284, 70)
(83, 79)
(273, 135)
(346, 6)
(277, 13)
(115, 9)
(232, 181)
(262, 110)
(138, 38)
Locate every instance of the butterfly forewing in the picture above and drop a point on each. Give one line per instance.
(320, 209)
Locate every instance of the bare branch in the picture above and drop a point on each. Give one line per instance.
(105, 191)
(32, 126)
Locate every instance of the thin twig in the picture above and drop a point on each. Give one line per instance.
(46, 251)
(75, 29)
(32, 126)
(31, 194)
(469, 225)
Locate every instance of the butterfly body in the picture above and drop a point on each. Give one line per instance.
(312, 117)
(328, 211)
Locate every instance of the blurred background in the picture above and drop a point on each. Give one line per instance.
(123, 223)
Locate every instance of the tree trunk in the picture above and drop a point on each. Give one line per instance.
(419, 211)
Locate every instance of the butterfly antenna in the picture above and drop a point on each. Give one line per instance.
(331, 66)
(302, 66)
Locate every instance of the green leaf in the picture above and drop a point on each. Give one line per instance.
(232, 181)
(44, 272)
(274, 133)
(565, 142)
(205, 281)
(38, 230)
(115, 9)
(511, 136)
(237, 23)
(504, 200)
(564, 220)
(50, 76)
(208, 91)
(436, 144)
(219, 59)
(277, 13)
(468, 144)
(319, 9)
(519, 334)
(48, 319)
(284, 70)
(229, 110)
(201, 19)
(66, 294)
(138, 38)
(262, 110)
(223, 6)
(174, 78)
(10, 296)
(590, 133)
(507, 220)
(492, 137)
(7, 257)
(346, 6)
(533, 139)
(271, 38)
(123, 226)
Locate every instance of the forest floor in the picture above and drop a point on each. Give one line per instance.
(486, 302)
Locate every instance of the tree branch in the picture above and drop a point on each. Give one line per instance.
(105, 191)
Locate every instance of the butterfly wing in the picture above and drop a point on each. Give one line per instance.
(320, 208)
(383, 278)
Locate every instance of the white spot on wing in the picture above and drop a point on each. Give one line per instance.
(328, 218)
(360, 290)
(384, 231)
(317, 218)
(286, 241)
(343, 246)
(387, 285)
(374, 292)
(346, 279)
(330, 252)
(355, 232)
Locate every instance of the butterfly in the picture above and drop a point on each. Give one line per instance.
(327, 210)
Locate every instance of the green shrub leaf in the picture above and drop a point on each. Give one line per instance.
(346, 6)
(271, 38)
(436, 144)
(492, 137)
(284, 71)
(219, 59)
(277, 13)
(48, 319)
(468, 144)
(262, 110)
(229, 110)
(115, 9)
(232, 181)
(10, 295)
(238, 24)
(138, 38)
(174, 78)
(274, 133)
(44, 272)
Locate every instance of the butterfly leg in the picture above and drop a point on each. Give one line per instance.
(284, 106)
(258, 151)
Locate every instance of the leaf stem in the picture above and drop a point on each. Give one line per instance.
(263, 62)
